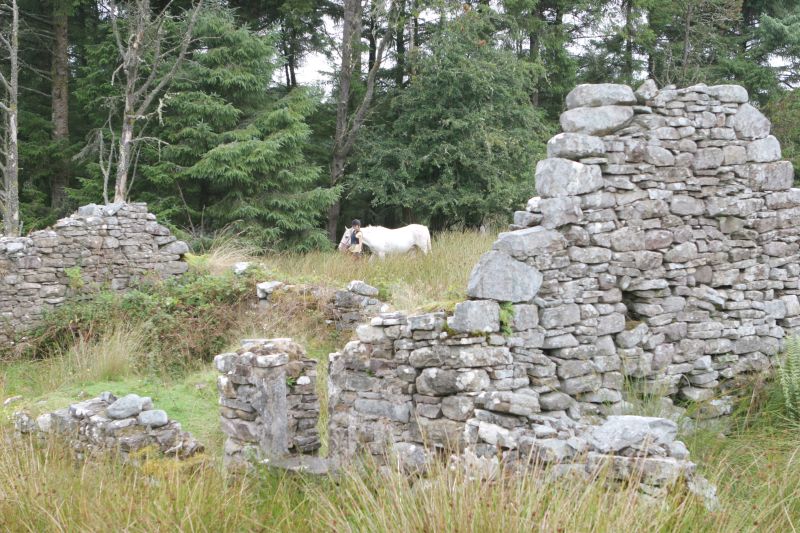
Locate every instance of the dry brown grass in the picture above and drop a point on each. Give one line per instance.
(42, 489)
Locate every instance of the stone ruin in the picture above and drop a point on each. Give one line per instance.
(123, 425)
(98, 246)
(344, 309)
(268, 401)
(662, 249)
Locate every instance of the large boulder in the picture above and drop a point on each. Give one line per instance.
(596, 120)
(530, 242)
(557, 212)
(575, 146)
(764, 150)
(646, 91)
(776, 176)
(729, 93)
(128, 406)
(600, 94)
(557, 177)
(749, 123)
(638, 432)
(476, 316)
(497, 276)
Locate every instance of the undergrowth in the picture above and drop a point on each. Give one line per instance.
(178, 321)
(789, 375)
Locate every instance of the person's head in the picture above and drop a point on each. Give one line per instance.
(355, 223)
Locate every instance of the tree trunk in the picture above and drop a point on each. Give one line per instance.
(629, 41)
(352, 14)
(372, 45)
(414, 38)
(534, 58)
(347, 127)
(124, 157)
(291, 58)
(11, 218)
(400, 47)
(686, 41)
(60, 104)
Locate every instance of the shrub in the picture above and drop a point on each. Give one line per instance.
(180, 320)
(789, 375)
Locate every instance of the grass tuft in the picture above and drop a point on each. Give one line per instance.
(410, 281)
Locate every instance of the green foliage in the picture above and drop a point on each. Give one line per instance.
(506, 318)
(789, 376)
(236, 151)
(784, 112)
(460, 142)
(183, 320)
(74, 277)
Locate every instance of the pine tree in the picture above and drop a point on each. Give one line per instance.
(231, 151)
(462, 139)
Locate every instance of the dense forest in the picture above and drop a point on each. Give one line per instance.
(432, 111)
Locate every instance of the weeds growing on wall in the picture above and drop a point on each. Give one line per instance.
(789, 377)
(179, 320)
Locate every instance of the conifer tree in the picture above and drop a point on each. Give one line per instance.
(463, 138)
(234, 151)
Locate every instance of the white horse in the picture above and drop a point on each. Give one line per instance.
(384, 241)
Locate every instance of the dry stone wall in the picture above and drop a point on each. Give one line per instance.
(666, 234)
(662, 248)
(109, 424)
(97, 246)
(268, 401)
(344, 309)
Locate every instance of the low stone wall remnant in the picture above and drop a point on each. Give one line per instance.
(268, 401)
(109, 424)
(344, 309)
(97, 246)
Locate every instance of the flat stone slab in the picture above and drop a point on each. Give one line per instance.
(302, 464)
(600, 94)
(498, 276)
(596, 120)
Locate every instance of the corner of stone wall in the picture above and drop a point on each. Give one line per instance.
(673, 206)
(269, 408)
(662, 248)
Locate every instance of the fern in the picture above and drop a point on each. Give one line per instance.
(506, 318)
(789, 375)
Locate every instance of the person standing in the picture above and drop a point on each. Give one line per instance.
(352, 239)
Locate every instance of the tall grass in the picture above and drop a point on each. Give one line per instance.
(411, 281)
(114, 355)
(224, 251)
(42, 489)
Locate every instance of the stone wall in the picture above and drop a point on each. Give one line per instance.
(665, 233)
(110, 424)
(98, 246)
(268, 401)
(662, 249)
(412, 385)
(344, 309)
